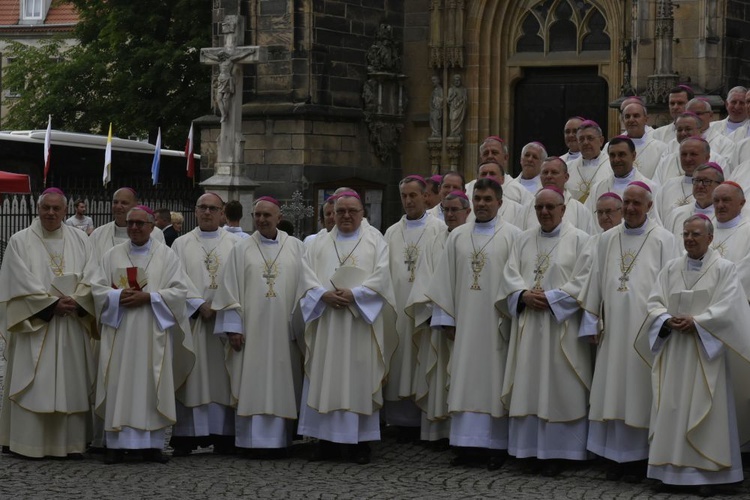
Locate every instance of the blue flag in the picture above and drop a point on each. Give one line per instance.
(157, 159)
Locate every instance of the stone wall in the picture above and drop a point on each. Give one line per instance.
(737, 48)
(303, 120)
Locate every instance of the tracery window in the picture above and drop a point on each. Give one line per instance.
(563, 26)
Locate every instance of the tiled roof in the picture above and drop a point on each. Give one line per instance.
(59, 13)
(9, 11)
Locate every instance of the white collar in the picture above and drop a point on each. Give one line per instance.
(348, 236)
(411, 224)
(269, 241)
(552, 234)
(730, 223)
(694, 264)
(635, 231)
(208, 234)
(143, 249)
(487, 227)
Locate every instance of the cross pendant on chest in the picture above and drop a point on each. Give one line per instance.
(270, 277)
(538, 277)
(411, 264)
(623, 283)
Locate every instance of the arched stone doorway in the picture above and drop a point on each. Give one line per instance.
(510, 41)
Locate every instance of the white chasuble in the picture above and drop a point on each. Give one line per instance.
(50, 366)
(548, 372)
(465, 286)
(693, 429)
(615, 291)
(407, 244)
(145, 356)
(347, 356)
(584, 174)
(730, 241)
(433, 348)
(260, 284)
(204, 256)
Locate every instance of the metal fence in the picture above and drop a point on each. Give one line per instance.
(17, 211)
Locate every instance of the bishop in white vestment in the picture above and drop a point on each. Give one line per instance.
(697, 312)
(146, 349)
(204, 413)
(346, 299)
(463, 293)
(548, 374)
(47, 324)
(255, 303)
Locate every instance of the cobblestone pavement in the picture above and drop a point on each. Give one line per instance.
(396, 471)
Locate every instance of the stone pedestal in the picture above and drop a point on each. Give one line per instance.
(455, 146)
(233, 186)
(435, 147)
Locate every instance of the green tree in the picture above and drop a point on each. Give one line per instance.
(137, 66)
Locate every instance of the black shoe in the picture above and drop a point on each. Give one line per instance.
(706, 491)
(96, 450)
(460, 460)
(360, 453)
(6, 450)
(75, 456)
(155, 455)
(113, 456)
(615, 472)
(324, 450)
(496, 461)
(408, 435)
(440, 445)
(635, 472)
(532, 466)
(551, 468)
(181, 452)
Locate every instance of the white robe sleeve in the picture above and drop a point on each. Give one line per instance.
(441, 318)
(193, 305)
(589, 325)
(312, 304)
(112, 312)
(654, 340)
(712, 347)
(368, 302)
(228, 320)
(164, 317)
(563, 305)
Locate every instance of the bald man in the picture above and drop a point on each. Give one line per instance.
(648, 150)
(105, 237)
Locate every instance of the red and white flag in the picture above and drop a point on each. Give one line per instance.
(47, 140)
(189, 154)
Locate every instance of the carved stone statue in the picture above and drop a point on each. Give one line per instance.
(383, 55)
(369, 95)
(436, 108)
(457, 100)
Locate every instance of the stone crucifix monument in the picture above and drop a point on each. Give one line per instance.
(228, 180)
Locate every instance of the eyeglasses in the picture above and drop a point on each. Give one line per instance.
(211, 209)
(607, 213)
(137, 223)
(704, 182)
(341, 212)
(452, 210)
(548, 207)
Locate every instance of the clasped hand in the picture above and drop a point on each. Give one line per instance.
(134, 298)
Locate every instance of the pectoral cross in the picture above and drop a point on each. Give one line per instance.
(269, 273)
(538, 277)
(623, 282)
(411, 261)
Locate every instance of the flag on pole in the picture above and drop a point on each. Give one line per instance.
(157, 158)
(107, 175)
(47, 138)
(189, 154)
